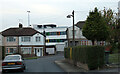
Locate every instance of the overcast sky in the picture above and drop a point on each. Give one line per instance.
(48, 11)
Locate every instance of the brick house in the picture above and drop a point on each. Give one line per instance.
(24, 40)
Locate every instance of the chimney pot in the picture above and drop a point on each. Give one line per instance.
(20, 25)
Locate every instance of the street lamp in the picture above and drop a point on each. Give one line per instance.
(28, 18)
(44, 43)
(69, 16)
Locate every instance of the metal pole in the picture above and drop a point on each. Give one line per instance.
(28, 18)
(73, 29)
(44, 43)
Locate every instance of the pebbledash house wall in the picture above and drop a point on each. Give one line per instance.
(0, 47)
(7, 44)
(79, 38)
(33, 44)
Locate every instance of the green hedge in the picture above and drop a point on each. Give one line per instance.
(67, 53)
(93, 56)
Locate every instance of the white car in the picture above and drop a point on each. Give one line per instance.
(13, 62)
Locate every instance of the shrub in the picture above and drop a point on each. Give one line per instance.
(67, 53)
(93, 56)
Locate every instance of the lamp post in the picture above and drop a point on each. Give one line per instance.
(69, 16)
(44, 43)
(28, 18)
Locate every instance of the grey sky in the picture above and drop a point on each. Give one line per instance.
(48, 11)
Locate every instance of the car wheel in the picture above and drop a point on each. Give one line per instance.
(24, 68)
(3, 71)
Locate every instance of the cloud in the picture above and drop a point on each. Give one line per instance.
(45, 9)
(20, 7)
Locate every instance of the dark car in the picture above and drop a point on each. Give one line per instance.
(13, 62)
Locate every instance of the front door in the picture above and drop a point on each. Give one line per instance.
(38, 52)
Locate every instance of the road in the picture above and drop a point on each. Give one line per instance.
(42, 64)
(46, 65)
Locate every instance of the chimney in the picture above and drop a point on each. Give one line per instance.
(20, 25)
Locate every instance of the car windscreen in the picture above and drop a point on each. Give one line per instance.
(12, 58)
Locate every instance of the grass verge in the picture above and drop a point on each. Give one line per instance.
(114, 58)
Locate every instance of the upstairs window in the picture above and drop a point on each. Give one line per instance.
(11, 39)
(55, 33)
(37, 39)
(75, 32)
(62, 33)
(25, 39)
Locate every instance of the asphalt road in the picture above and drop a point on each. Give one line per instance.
(42, 64)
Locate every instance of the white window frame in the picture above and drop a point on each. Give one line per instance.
(26, 50)
(38, 38)
(8, 49)
(41, 48)
(9, 40)
(25, 39)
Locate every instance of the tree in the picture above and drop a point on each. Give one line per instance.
(113, 22)
(95, 28)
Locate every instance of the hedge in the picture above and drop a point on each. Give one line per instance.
(93, 56)
(67, 53)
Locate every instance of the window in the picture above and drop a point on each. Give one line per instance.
(37, 39)
(55, 40)
(47, 33)
(74, 32)
(25, 39)
(47, 41)
(12, 58)
(62, 33)
(11, 39)
(11, 50)
(26, 50)
(56, 33)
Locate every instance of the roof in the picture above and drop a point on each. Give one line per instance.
(25, 31)
(80, 24)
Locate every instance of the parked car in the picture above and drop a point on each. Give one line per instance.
(13, 62)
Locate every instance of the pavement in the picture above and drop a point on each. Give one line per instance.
(67, 67)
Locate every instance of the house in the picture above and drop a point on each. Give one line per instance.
(0, 46)
(55, 37)
(79, 38)
(23, 40)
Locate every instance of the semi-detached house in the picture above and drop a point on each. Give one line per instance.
(0, 46)
(24, 40)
